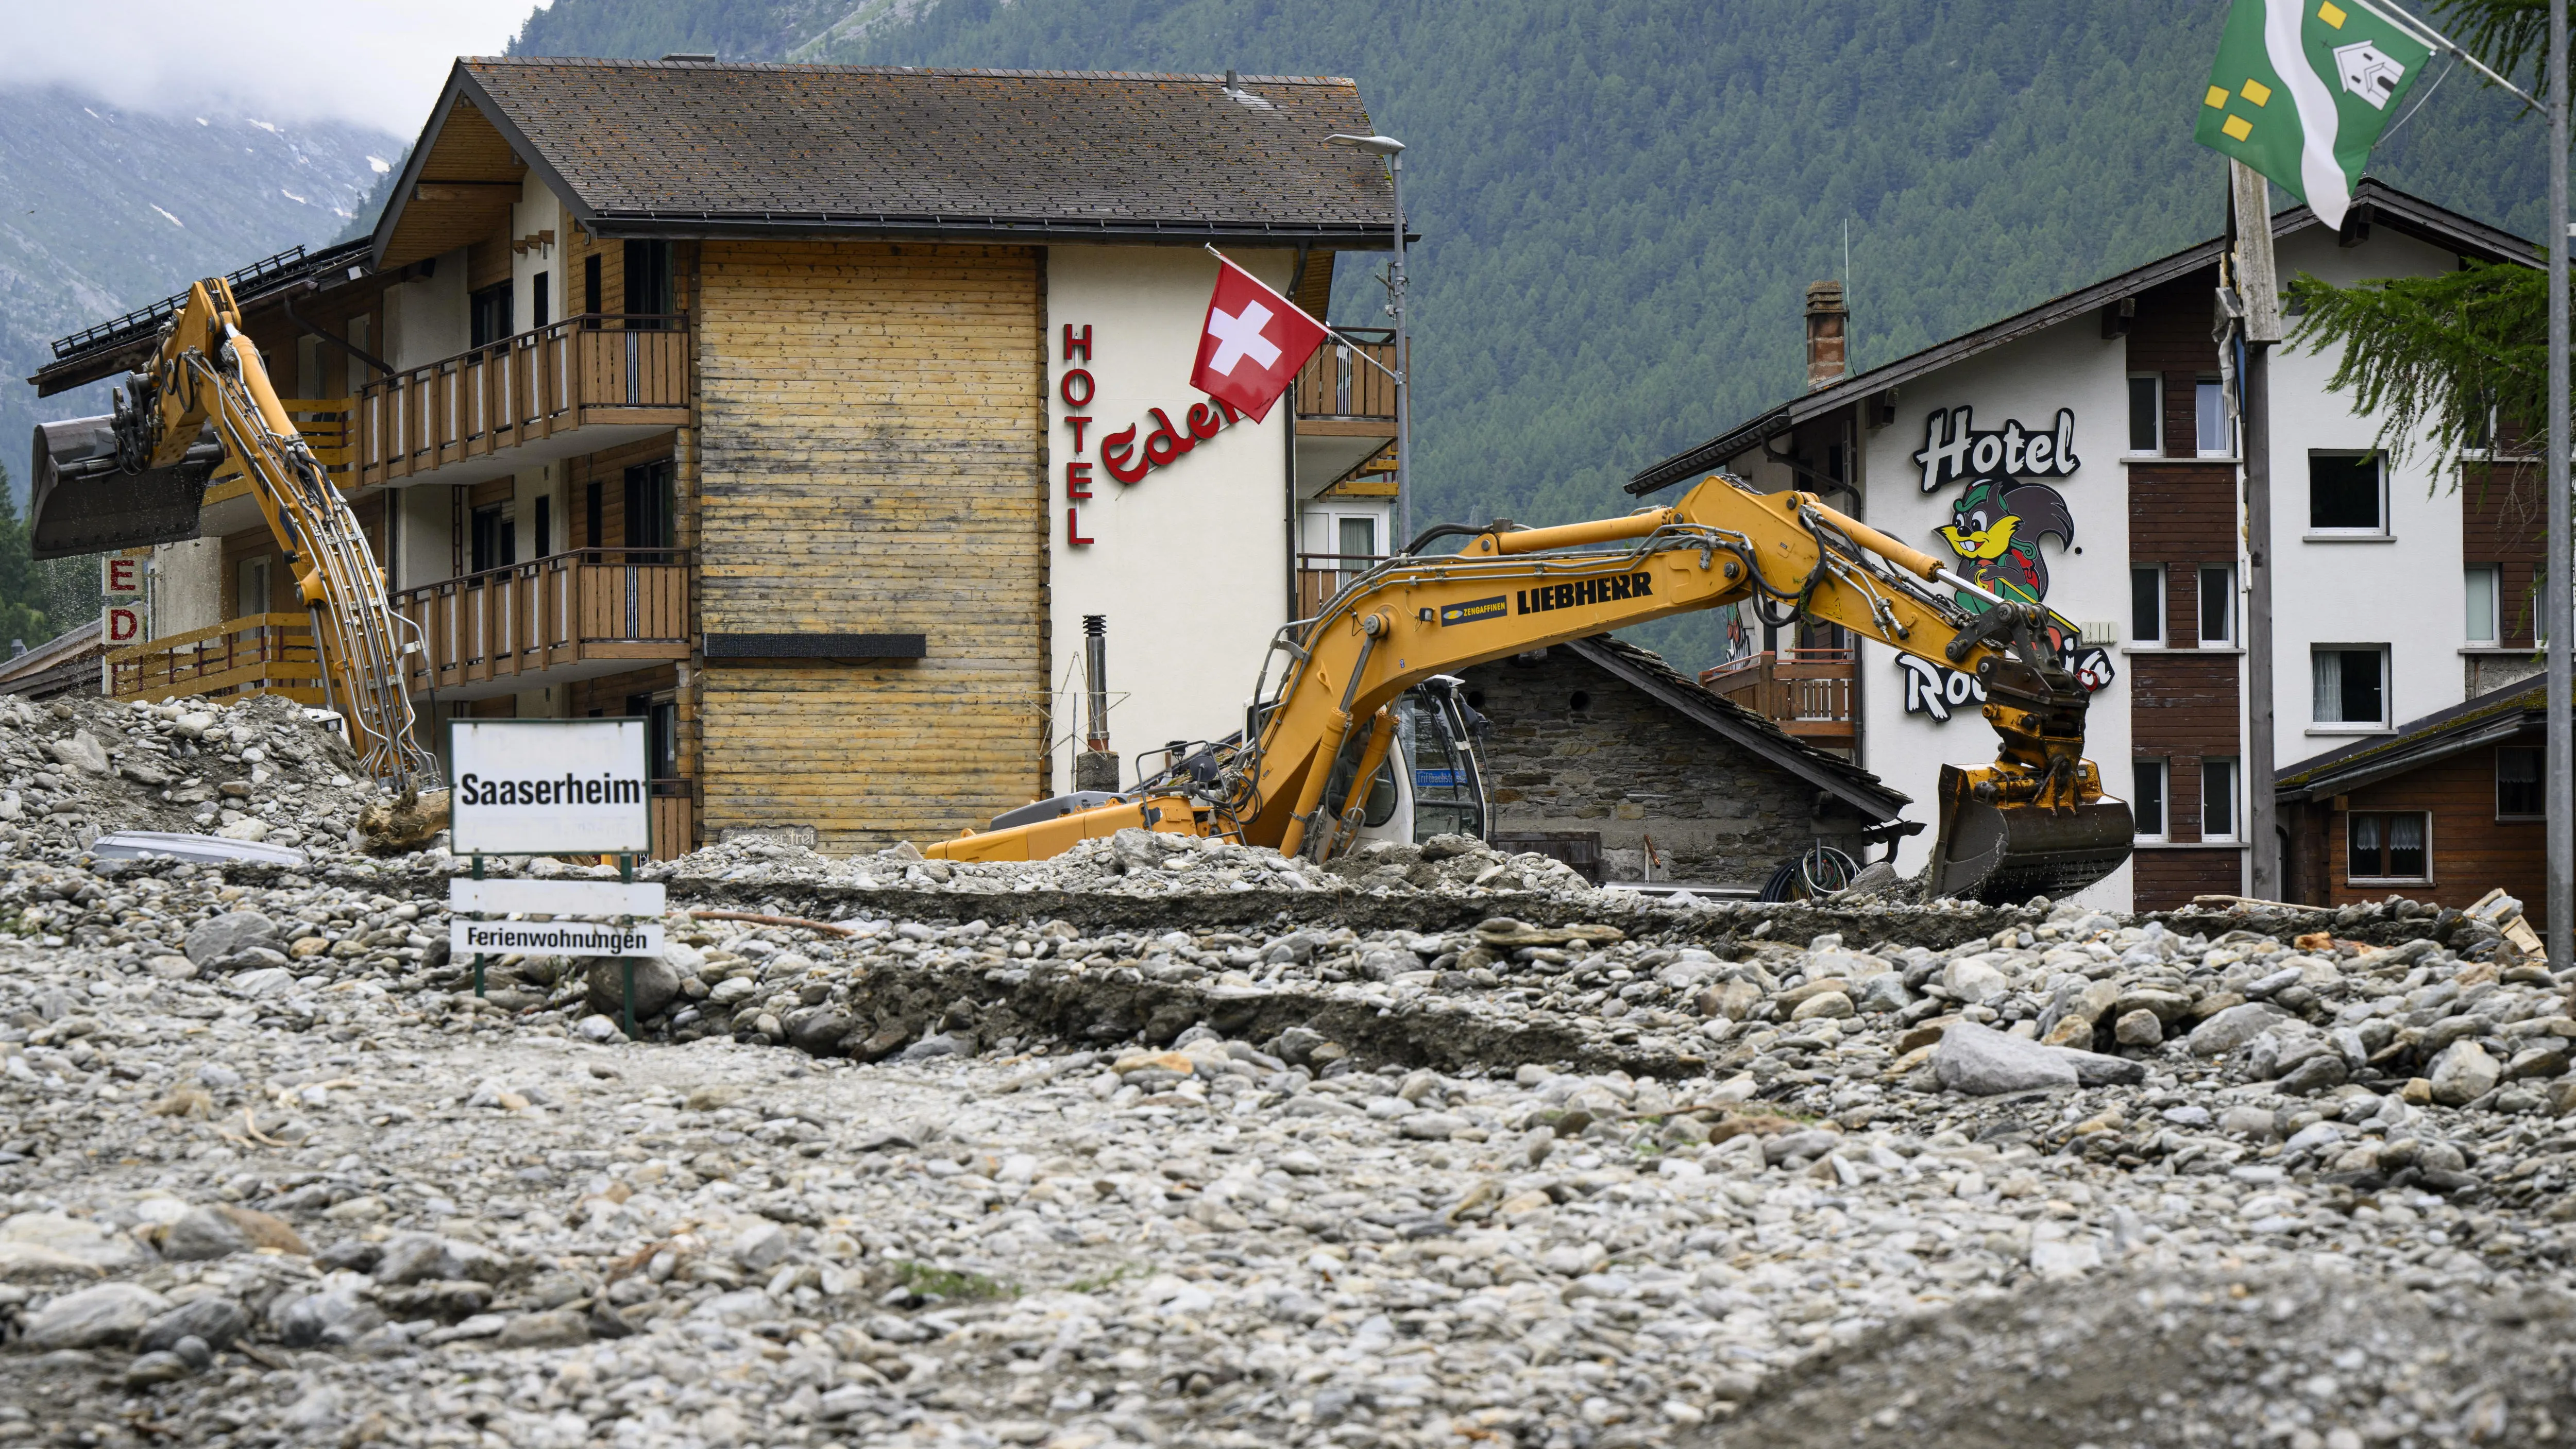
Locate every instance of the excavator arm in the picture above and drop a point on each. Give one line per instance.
(206, 395)
(2033, 821)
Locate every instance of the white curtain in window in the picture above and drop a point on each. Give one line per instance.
(2405, 832)
(2328, 667)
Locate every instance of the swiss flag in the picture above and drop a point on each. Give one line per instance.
(1252, 343)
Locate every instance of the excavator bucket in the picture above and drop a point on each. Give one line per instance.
(81, 502)
(2003, 852)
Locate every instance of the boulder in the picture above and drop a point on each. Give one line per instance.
(202, 1233)
(2463, 1073)
(217, 1321)
(656, 983)
(230, 935)
(107, 1316)
(2233, 1028)
(406, 823)
(82, 752)
(1979, 1061)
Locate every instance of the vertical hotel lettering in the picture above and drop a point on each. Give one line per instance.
(1077, 390)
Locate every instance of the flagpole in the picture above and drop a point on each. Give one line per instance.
(2437, 40)
(2559, 618)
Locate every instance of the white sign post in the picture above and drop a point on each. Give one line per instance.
(552, 787)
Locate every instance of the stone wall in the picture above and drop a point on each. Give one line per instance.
(1575, 748)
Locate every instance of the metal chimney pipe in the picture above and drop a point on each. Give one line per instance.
(1095, 681)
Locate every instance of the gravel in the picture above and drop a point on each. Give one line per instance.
(1166, 1143)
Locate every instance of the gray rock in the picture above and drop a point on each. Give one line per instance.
(553, 1328)
(82, 752)
(1972, 980)
(1431, 1126)
(2317, 1073)
(336, 1317)
(1979, 1061)
(421, 1257)
(656, 983)
(213, 1320)
(2463, 1073)
(2139, 1027)
(946, 1044)
(106, 1316)
(1811, 1143)
(155, 1368)
(204, 1232)
(819, 1034)
(2233, 1028)
(229, 935)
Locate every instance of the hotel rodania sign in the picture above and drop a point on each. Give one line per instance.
(1999, 526)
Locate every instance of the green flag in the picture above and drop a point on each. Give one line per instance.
(2301, 91)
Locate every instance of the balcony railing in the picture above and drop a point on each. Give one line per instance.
(1322, 575)
(1807, 692)
(254, 654)
(1337, 382)
(503, 403)
(569, 615)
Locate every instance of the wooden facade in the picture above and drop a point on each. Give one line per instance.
(873, 464)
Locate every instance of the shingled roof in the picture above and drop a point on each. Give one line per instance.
(687, 148)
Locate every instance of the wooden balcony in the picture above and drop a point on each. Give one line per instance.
(1322, 575)
(228, 507)
(566, 617)
(254, 654)
(575, 386)
(1345, 411)
(1807, 692)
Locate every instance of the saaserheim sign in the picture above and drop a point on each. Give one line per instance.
(2000, 524)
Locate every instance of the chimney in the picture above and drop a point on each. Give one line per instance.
(1827, 317)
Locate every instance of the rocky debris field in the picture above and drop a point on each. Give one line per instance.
(75, 768)
(1202, 1147)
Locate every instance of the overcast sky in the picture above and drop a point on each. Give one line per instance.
(376, 62)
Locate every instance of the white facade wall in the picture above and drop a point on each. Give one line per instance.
(536, 211)
(2402, 591)
(1188, 563)
(425, 318)
(2067, 367)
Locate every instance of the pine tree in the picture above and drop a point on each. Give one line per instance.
(23, 616)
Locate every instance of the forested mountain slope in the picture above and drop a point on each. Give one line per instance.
(1623, 200)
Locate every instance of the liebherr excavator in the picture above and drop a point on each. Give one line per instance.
(2034, 822)
(139, 476)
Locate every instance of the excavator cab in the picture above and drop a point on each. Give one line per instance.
(1432, 782)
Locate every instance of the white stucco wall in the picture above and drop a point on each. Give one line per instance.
(1188, 563)
(2071, 367)
(2402, 591)
(425, 318)
(536, 211)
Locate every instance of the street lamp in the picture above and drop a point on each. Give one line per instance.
(1393, 150)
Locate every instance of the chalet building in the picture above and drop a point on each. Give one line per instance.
(2445, 809)
(808, 412)
(2083, 453)
(1602, 745)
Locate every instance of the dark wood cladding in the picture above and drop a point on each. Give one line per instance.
(2503, 521)
(2166, 879)
(2472, 851)
(2170, 336)
(2182, 707)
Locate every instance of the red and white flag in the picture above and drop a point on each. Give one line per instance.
(1252, 343)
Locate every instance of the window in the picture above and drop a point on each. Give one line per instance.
(250, 588)
(545, 526)
(2147, 604)
(2344, 493)
(650, 519)
(648, 278)
(2218, 604)
(2518, 793)
(2147, 413)
(539, 299)
(661, 733)
(2218, 799)
(593, 506)
(2480, 587)
(1357, 538)
(492, 537)
(590, 285)
(2217, 432)
(2351, 686)
(489, 310)
(2385, 845)
(2147, 799)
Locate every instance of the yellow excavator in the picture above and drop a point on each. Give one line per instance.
(139, 476)
(1301, 775)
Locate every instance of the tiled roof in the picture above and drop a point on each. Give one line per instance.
(2494, 717)
(645, 147)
